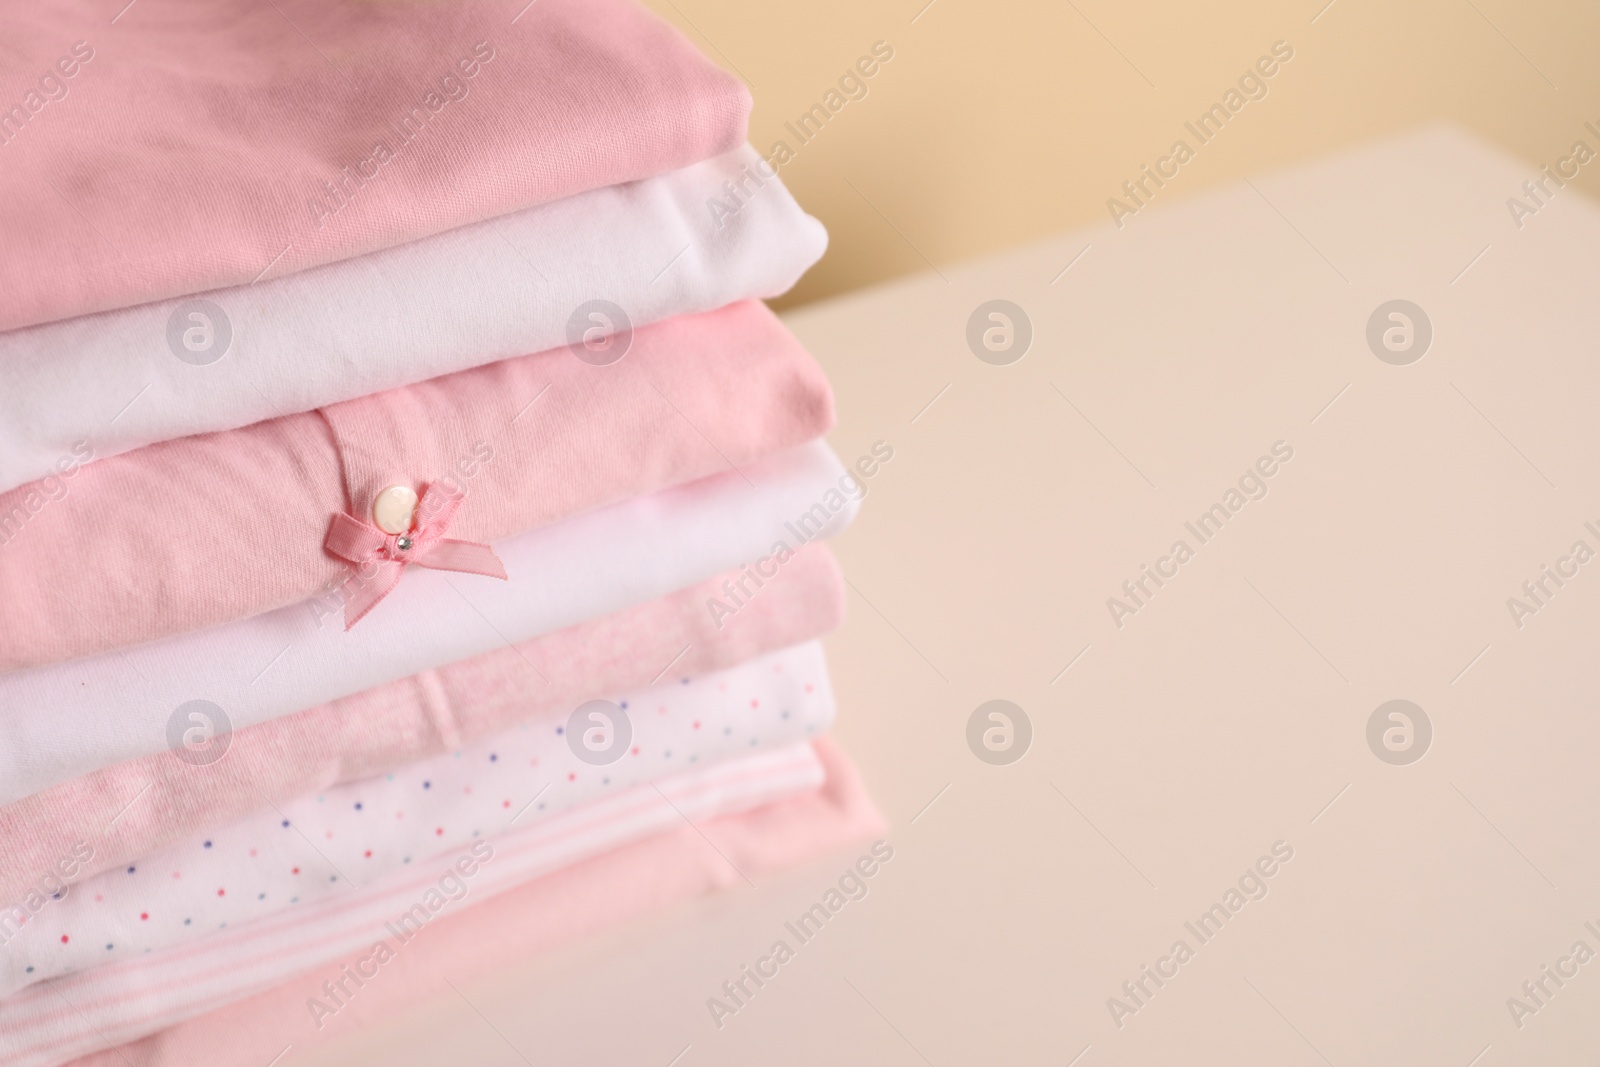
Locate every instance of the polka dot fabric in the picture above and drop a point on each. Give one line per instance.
(745, 807)
(346, 838)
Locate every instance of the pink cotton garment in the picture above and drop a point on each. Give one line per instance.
(93, 713)
(594, 895)
(218, 527)
(326, 849)
(119, 1002)
(502, 288)
(171, 148)
(136, 808)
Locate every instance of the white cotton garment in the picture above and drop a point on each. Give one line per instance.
(52, 1023)
(66, 719)
(297, 853)
(688, 241)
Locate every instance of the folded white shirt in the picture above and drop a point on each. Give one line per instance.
(298, 852)
(66, 719)
(100, 385)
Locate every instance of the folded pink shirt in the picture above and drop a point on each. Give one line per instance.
(169, 149)
(590, 896)
(208, 529)
(133, 809)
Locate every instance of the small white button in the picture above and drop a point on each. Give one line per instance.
(393, 509)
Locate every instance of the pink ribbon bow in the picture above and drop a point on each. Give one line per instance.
(381, 558)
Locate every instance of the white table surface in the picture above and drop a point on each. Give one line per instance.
(1231, 711)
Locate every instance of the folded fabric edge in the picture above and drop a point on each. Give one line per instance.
(658, 751)
(673, 538)
(592, 895)
(67, 452)
(50, 825)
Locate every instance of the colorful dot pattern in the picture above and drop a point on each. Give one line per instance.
(350, 836)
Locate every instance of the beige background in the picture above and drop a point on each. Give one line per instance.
(1000, 122)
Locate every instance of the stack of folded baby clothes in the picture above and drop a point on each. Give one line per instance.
(410, 516)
